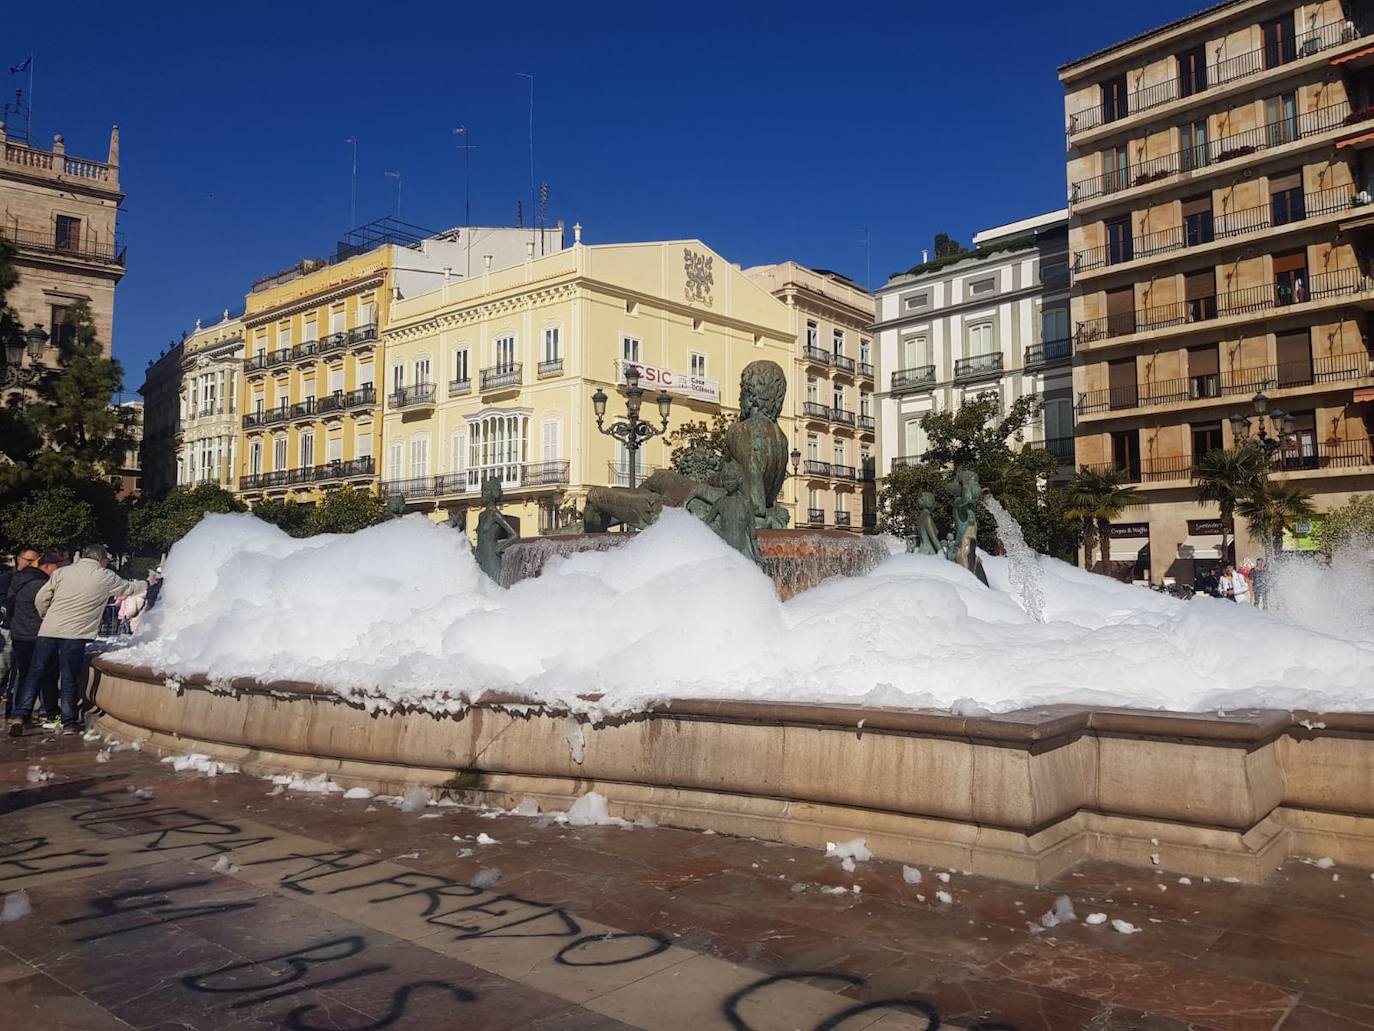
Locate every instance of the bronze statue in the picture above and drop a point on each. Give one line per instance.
(927, 539)
(494, 532)
(757, 444)
(731, 514)
(966, 495)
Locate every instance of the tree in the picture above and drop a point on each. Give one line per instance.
(287, 515)
(156, 525)
(345, 511)
(1094, 499)
(700, 438)
(1225, 477)
(52, 517)
(1273, 507)
(899, 500)
(1352, 522)
(948, 247)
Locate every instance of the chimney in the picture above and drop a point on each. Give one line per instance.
(577, 234)
(925, 255)
(113, 159)
(529, 250)
(448, 274)
(486, 262)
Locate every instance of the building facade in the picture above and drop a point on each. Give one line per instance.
(1220, 174)
(311, 397)
(834, 413)
(494, 377)
(994, 320)
(59, 214)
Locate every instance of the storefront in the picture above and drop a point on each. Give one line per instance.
(1200, 555)
(1129, 550)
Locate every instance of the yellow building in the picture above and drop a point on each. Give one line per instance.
(312, 347)
(494, 377)
(831, 318)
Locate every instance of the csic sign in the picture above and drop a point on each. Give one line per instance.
(651, 377)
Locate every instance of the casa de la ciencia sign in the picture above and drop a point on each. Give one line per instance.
(651, 377)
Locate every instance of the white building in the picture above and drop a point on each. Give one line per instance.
(995, 319)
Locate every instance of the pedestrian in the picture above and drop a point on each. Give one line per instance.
(1259, 583)
(130, 608)
(24, 560)
(71, 603)
(1234, 585)
(24, 623)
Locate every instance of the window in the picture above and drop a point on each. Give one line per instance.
(307, 449)
(336, 319)
(1115, 169)
(422, 370)
(279, 453)
(812, 389)
(1054, 324)
(62, 328)
(1059, 419)
(1192, 71)
(813, 448)
(865, 350)
(496, 447)
(335, 449)
(283, 336)
(1290, 275)
(362, 444)
(398, 377)
(308, 388)
(68, 233)
(260, 342)
(813, 499)
(837, 396)
(1294, 352)
(1278, 41)
(978, 287)
(1120, 246)
(837, 342)
(1286, 200)
(1192, 138)
(549, 445)
(837, 449)
(920, 300)
(865, 404)
(1126, 454)
(255, 458)
(336, 379)
(367, 313)
(1114, 103)
(1206, 438)
(457, 452)
(460, 365)
(311, 330)
(552, 348)
(505, 354)
(813, 334)
(393, 461)
(696, 364)
(1121, 311)
(1198, 227)
(259, 403)
(841, 502)
(980, 339)
(1204, 371)
(364, 374)
(915, 351)
(1122, 388)
(419, 457)
(1200, 293)
(1281, 115)
(913, 438)
(629, 349)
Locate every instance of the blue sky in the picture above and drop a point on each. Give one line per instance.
(770, 131)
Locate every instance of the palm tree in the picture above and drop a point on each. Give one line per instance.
(1096, 497)
(1226, 476)
(1273, 508)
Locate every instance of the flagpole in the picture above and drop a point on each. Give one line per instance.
(30, 126)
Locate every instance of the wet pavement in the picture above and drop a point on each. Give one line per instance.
(171, 900)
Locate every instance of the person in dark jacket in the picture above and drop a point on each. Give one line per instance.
(20, 602)
(26, 558)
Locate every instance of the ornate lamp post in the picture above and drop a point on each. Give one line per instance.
(1269, 443)
(631, 431)
(15, 375)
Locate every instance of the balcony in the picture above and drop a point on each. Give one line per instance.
(842, 472)
(980, 366)
(866, 423)
(905, 462)
(513, 475)
(843, 416)
(1216, 152)
(815, 517)
(620, 472)
(841, 517)
(1147, 470)
(841, 363)
(1062, 448)
(1248, 301)
(865, 369)
(361, 336)
(308, 349)
(303, 409)
(256, 363)
(109, 252)
(816, 355)
(1243, 382)
(1051, 352)
(330, 403)
(459, 387)
(911, 381)
(418, 395)
(815, 468)
(500, 377)
(345, 470)
(361, 397)
(1301, 456)
(267, 417)
(539, 474)
(417, 487)
(815, 410)
(552, 367)
(1221, 227)
(1221, 73)
(333, 342)
(867, 472)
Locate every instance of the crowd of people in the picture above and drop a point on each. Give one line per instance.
(1243, 585)
(51, 610)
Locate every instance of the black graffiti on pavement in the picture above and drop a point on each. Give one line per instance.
(150, 906)
(301, 963)
(30, 857)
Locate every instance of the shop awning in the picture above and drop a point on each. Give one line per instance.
(1364, 394)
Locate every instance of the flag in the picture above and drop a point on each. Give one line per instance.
(22, 66)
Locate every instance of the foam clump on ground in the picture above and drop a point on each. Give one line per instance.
(399, 615)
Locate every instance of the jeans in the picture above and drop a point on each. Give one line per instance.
(70, 658)
(6, 665)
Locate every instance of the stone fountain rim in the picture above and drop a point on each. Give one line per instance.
(1041, 728)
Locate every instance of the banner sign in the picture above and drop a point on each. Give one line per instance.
(653, 378)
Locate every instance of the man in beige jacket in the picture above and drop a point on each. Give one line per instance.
(71, 604)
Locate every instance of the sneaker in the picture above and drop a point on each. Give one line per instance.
(71, 730)
(16, 728)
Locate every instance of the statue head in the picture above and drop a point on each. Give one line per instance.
(491, 490)
(762, 389)
(926, 500)
(729, 478)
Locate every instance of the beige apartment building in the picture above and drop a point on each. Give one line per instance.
(494, 377)
(832, 356)
(1220, 174)
(59, 212)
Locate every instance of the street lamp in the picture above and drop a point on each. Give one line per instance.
(1278, 419)
(631, 431)
(33, 341)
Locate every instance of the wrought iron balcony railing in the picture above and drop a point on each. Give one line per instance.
(459, 387)
(843, 416)
(815, 410)
(814, 467)
(841, 517)
(841, 362)
(551, 367)
(110, 252)
(499, 376)
(413, 396)
(815, 517)
(907, 381)
(865, 369)
(1050, 352)
(979, 366)
(819, 355)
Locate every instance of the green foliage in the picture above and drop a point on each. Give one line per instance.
(51, 517)
(899, 500)
(1224, 477)
(950, 252)
(1273, 507)
(948, 247)
(1351, 522)
(1091, 501)
(289, 516)
(154, 526)
(347, 510)
(699, 437)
